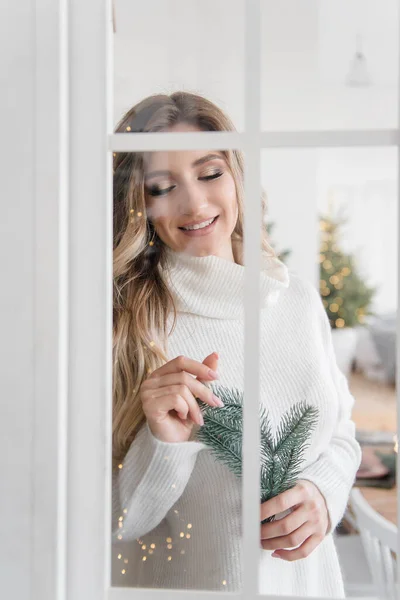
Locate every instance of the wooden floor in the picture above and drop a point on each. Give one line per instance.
(375, 407)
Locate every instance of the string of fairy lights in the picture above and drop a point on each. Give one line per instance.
(149, 549)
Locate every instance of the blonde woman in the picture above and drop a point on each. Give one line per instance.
(178, 325)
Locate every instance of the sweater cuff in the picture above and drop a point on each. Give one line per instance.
(334, 489)
(171, 451)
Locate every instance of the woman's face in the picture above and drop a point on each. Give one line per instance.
(189, 187)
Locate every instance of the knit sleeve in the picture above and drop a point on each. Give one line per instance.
(153, 476)
(334, 471)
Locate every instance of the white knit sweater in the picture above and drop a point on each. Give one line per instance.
(179, 508)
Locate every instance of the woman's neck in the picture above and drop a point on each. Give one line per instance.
(212, 286)
(227, 252)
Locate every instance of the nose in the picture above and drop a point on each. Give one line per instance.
(193, 201)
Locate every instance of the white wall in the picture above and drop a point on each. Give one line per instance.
(17, 184)
(288, 176)
(164, 45)
(31, 390)
(307, 46)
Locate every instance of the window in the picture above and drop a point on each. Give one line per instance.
(277, 69)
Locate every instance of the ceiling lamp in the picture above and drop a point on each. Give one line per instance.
(358, 75)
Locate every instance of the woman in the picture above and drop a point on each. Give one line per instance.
(178, 325)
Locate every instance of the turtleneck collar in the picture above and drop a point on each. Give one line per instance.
(211, 286)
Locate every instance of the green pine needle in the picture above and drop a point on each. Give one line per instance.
(281, 457)
(222, 430)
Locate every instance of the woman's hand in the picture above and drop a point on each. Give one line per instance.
(307, 524)
(169, 395)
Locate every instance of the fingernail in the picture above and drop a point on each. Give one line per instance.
(213, 374)
(275, 555)
(218, 400)
(201, 419)
(216, 354)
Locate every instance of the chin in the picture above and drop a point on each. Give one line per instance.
(201, 248)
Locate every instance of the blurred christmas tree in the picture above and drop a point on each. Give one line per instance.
(345, 296)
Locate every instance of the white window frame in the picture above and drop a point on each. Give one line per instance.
(74, 117)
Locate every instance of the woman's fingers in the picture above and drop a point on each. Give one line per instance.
(176, 386)
(182, 363)
(301, 552)
(284, 526)
(178, 403)
(291, 540)
(198, 389)
(177, 392)
(211, 361)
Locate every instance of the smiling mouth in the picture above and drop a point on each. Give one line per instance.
(201, 225)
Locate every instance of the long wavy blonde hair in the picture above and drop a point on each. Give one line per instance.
(142, 302)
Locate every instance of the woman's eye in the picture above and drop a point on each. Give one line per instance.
(156, 191)
(213, 176)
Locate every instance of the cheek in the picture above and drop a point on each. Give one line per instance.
(228, 196)
(161, 213)
(162, 217)
(157, 210)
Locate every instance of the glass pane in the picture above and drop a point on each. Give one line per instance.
(176, 492)
(328, 356)
(161, 47)
(329, 65)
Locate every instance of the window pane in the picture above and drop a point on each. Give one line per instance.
(328, 357)
(162, 47)
(176, 502)
(329, 65)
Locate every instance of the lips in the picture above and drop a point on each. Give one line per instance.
(197, 222)
(202, 231)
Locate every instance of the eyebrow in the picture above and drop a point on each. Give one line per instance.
(196, 163)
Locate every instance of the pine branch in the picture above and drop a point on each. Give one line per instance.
(292, 436)
(267, 450)
(223, 430)
(281, 457)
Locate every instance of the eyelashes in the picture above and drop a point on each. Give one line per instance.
(156, 191)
